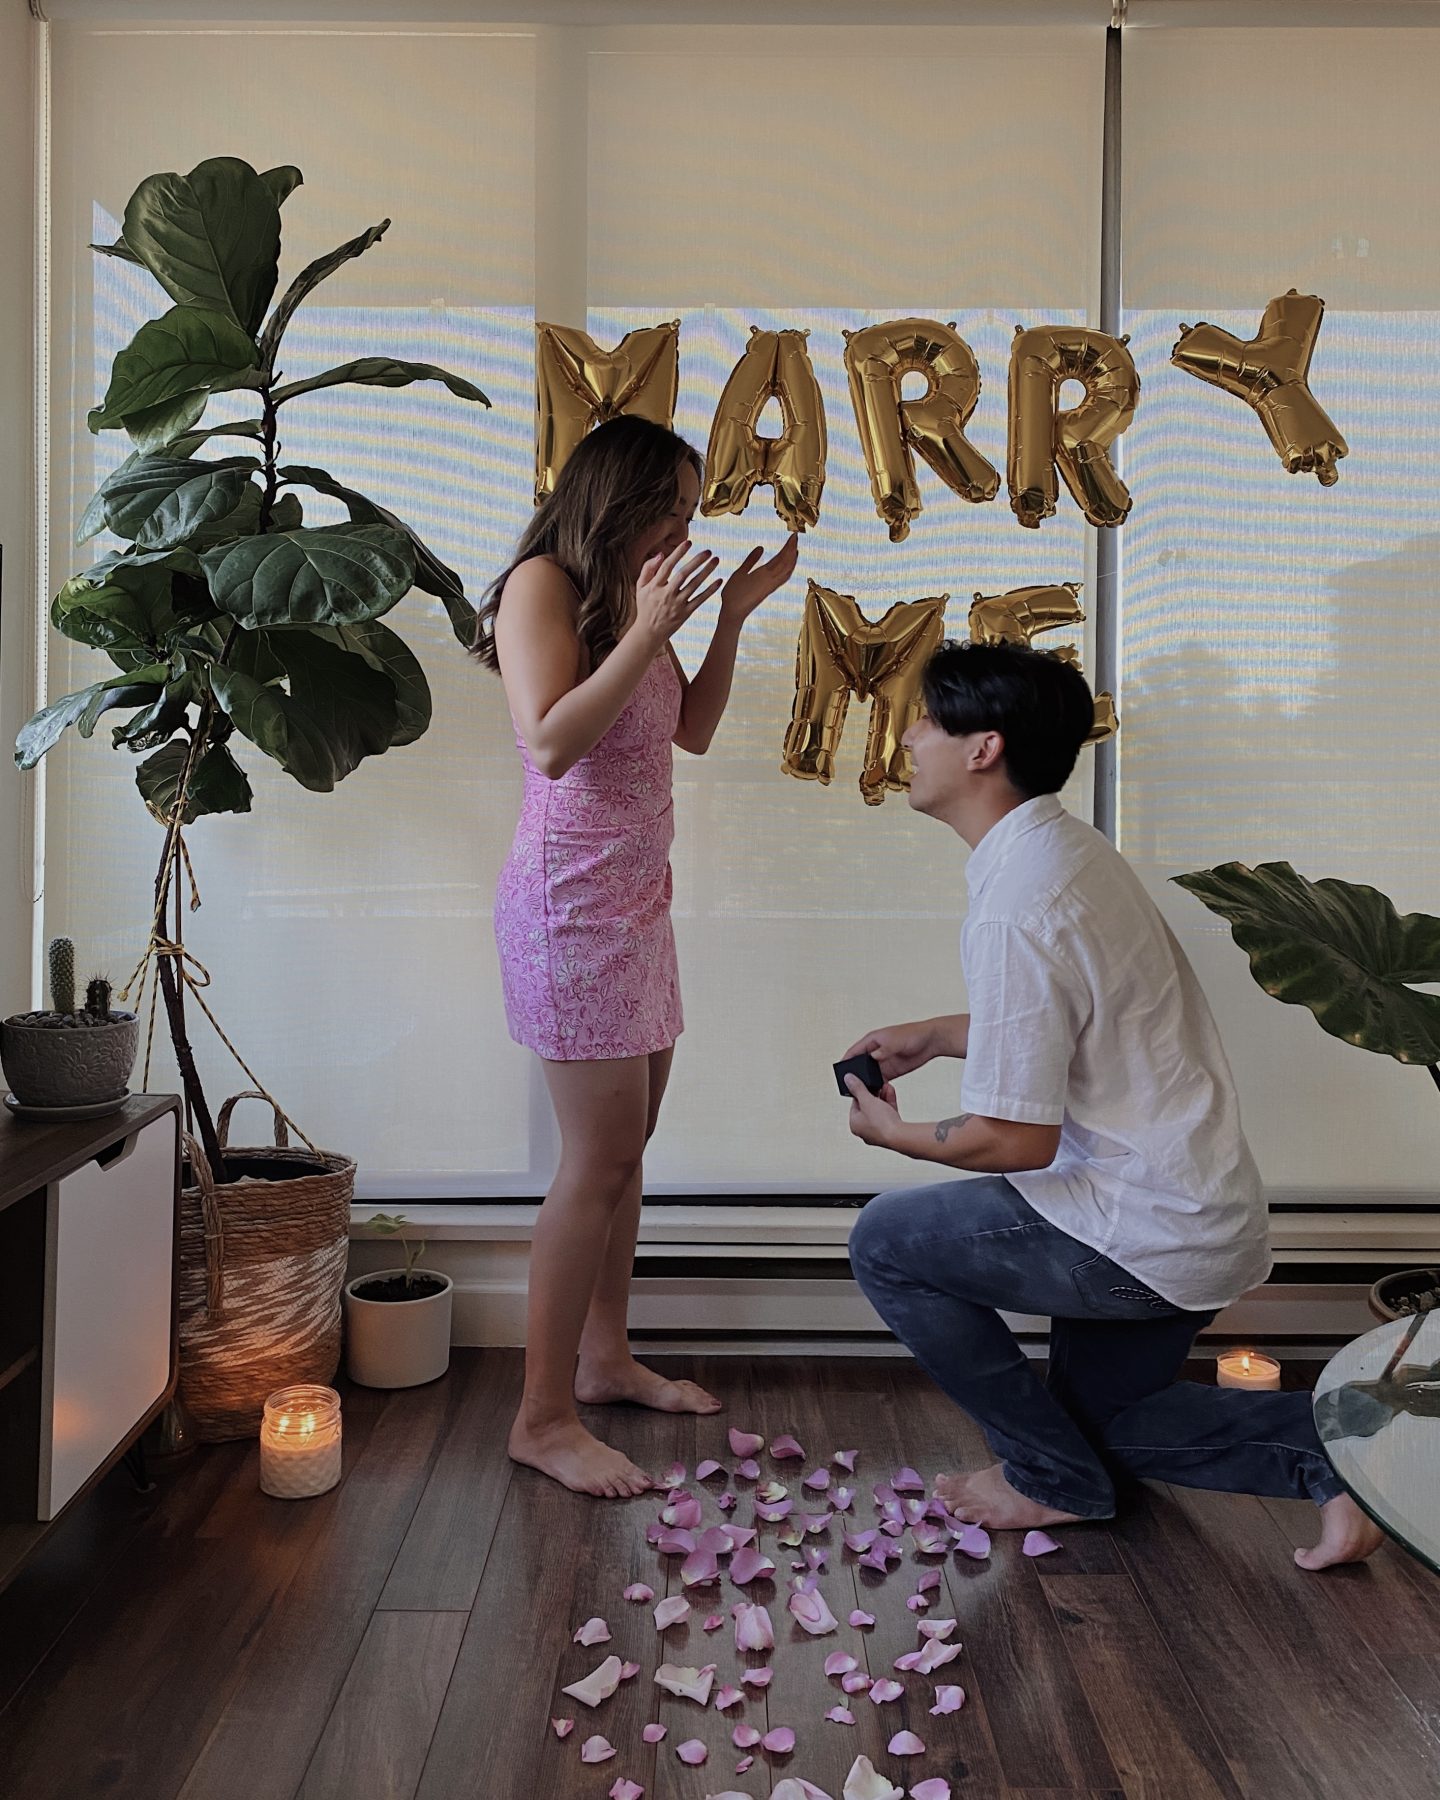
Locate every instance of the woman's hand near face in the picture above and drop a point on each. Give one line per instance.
(754, 581)
(668, 591)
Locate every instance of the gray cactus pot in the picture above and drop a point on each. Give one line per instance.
(48, 1062)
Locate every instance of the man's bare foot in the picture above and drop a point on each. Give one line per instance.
(598, 1384)
(1346, 1535)
(577, 1460)
(988, 1499)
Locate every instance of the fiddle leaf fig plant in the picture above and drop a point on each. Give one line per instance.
(1340, 949)
(225, 612)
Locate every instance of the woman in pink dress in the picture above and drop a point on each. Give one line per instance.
(579, 627)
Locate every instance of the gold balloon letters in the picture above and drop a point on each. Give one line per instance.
(877, 359)
(841, 653)
(1270, 372)
(775, 363)
(578, 385)
(1018, 616)
(1076, 440)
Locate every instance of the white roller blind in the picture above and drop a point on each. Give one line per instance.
(1280, 640)
(772, 177)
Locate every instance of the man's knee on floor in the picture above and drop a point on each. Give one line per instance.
(876, 1236)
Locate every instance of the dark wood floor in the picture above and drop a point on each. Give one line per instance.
(409, 1633)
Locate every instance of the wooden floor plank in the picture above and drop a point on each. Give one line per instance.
(443, 1555)
(375, 1743)
(1388, 1599)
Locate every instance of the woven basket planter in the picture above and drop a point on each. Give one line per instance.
(262, 1266)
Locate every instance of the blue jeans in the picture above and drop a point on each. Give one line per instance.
(937, 1262)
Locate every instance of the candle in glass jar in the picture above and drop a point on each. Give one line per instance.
(1247, 1369)
(300, 1442)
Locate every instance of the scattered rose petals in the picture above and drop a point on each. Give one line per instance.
(907, 1482)
(654, 1734)
(562, 1727)
(947, 1700)
(935, 1788)
(936, 1654)
(815, 1557)
(884, 1494)
(673, 1477)
(791, 1538)
(874, 1559)
(744, 1443)
(918, 1602)
(772, 1515)
(857, 1682)
(812, 1614)
(671, 1611)
(675, 1543)
(779, 1742)
(637, 1590)
(937, 1628)
(719, 1540)
(741, 1535)
(817, 1522)
(1038, 1543)
(626, 1790)
(840, 1662)
(931, 1539)
(687, 1683)
(726, 1698)
(928, 1582)
(785, 1446)
(884, 1690)
(740, 1768)
(683, 1513)
(753, 1630)
(596, 1749)
(973, 1541)
(913, 1511)
(743, 1737)
(598, 1685)
(845, 1459)
(905, 1743)
(907, 1662)
(727, 1503)
(840, 1715)
(860, 1619)
(706, 1469)
(714, 1622)
(818, 1479)
(795, 1787)
(699, 1568)
(692, 1751)
(749, 1564)
(865, 1782)
(629, 1670)
(749, 1470)
(593, 1631)
(843, 1497)
(757, 1678)
(771, 1492)
(892, 1527)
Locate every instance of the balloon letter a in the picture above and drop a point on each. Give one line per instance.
(739, 460)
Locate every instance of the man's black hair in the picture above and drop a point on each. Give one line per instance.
(1040, 705)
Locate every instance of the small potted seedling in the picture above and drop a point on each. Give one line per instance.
(69, 1062)
(397, 1321)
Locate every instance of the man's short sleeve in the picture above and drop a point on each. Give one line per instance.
(1026, 1013)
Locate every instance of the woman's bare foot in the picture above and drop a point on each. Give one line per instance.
(577, 1459)
(602, 1384)
(988, 1499)
(1346, 1535)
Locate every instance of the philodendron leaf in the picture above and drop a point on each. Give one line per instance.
(159, 501)
(92, 520)
(282, 181)
(120, 250)
(386, 651)
(310, 277)
(169, 368)
(321, 575)
(380, 371)
(1340, 949)
(106, 616)
(338, 711)
(192, 440)
(217, 783)
(138, 687)
(210, 238)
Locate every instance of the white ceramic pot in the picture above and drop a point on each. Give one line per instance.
(397, 1343)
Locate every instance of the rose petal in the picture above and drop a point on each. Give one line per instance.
(671, 1611)
(749, 1470)
(770, 1493)
(937, 1628)
(785, 1446)
(815, 1557)
(757, 1678)
(772, 1515)
(905, 1743)
(684, 1512)
(673, 1477)
(791, 1538)
(912, 1511)
(818, 1479)
(907, 1482)
(840, 1662)
(637, 1590)
(744, 1443)
(699, 1568)
(692, 1751)
(973, 1541)
(817, 1522)
(864, 1782)
(726, 1698)
(562, 1727)
(928, 1582)
(918, 1602)
(626, 1790)
(843, 1497)
(845, 1459)
(1038, 1543)
(884, 1690)
(719, 1540)
(935, 1788)
(840, 1715)
(860, 1619)
(675, 1543)
(931, 1539)
(741, 1535)
(593, 1631)
(936, 1654)
(795, 1787)
(654, 1734)
(874, 1559)
(884, 1494)
(779, 1742)
(714, 1622)
(740, 1768)
(859, 1541)
(704, 1470)
(596, 1749)
(687, 1683)
(948, 1700)
(753, 1630)
(857, 1682)
(598, 1685)
(727, 1503)
(744, 1736)
(629, 1670)
(812, 1614)
(907, 1662)
(748, 1564)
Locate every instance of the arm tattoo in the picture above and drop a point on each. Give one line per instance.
(946, 1126)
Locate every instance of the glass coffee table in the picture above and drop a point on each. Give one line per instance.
(1381, 1428)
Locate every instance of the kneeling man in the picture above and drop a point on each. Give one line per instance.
(1116, 1192)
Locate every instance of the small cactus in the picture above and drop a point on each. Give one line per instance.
(61, 955)
(97, 997)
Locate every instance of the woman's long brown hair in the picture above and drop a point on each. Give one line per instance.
(620, 480)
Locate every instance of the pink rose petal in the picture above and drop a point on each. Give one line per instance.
(1038, 1543)
(637, 1590)
(928, 1582)
(907, 1482)
(845, 1459)
(892, 1527)
(779, 1742)
(692, 1751)
(885, 1690)
(596, 1749)
(935, 1788)
(905, 1743)
(817, 1522)
(654, 1734)
(684, 1513)
(749, 1470)
(626, 1790)
(818, 1480)
(744, 1736)
(860, 1540)
(844, 1498)
(671, 1611)
(727, 1503)
(931, 1539)
(795, 1787)
(865, 1783)
(748, 1564)
(706, 1469)
(860, 1619)
(772, 1515)
(757, 1678)
(714, 1622)
(719, 1540)
(908, 1661)
(675, 1543)
(562, 1727)
(629, 1670)
(874, 1559)
(936, 1654)
(744, 1443)
(741, 1535)
(791, 1538)
(918, 1602)
(785, 1446)
(727, 1697)
(840, 1715)
(948, 1700)
(700, 1568)
(840, 1662)
(771, 1493)
(598, 1685)
(884, 1494)
(673, 1477)
(753, 1630)
(740, 1768)
(973, 1541)
(937, 1628)
(857, 1682)
(593, 1631)
(812, 1614)
(815, 1557)
(686, 1683)
(912, 1511)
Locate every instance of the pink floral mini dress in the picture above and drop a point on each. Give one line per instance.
(582, 908)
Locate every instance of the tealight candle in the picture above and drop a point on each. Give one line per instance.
(1247, 1369)
(300, 1442)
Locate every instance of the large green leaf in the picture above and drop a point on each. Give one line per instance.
(1338, 948)
(170, 364)
(310, 277)
(386, 651)
(217, 784)
(380, 371)
(338, 711)
(210, 238)
(282, 181)
(155, 724)
(41, 733)
(107, 616)
(322, 575)
(192, 440)
(92, 520)
(431, 575)
(159, 501)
